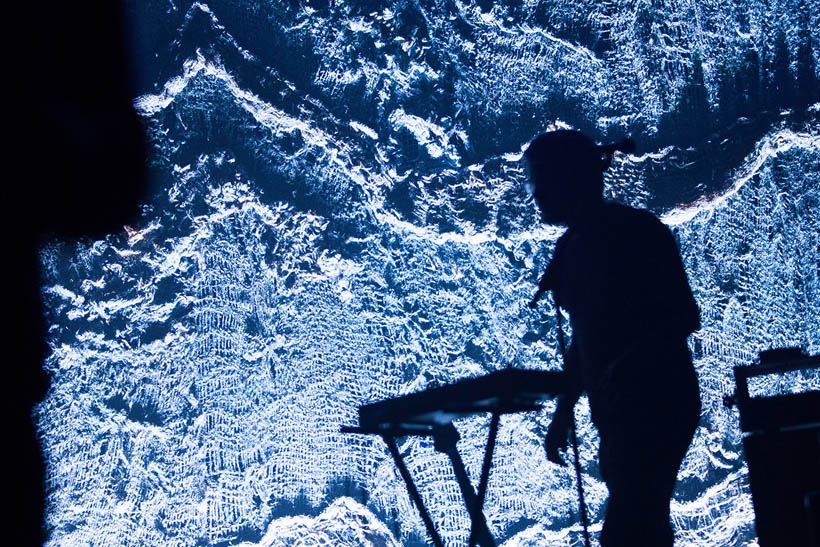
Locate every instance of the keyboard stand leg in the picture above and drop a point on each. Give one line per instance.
(445, 438)
(411, 487)
(485, 472)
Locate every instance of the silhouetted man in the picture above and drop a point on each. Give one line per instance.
(618, 273)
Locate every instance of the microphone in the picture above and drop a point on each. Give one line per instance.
(543, 286)
(537, 296)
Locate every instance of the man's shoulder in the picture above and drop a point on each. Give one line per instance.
(632, 218)
(621, 210)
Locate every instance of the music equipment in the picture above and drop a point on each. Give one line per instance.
(782, 446)
(431, 412)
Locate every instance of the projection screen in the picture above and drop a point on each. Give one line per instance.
(337, 216)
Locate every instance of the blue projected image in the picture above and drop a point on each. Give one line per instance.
(338, 216)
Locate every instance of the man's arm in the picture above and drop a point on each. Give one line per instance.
(558, 432)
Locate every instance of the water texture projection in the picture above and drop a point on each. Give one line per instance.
(337, 216)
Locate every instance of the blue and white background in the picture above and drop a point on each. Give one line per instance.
(337, 216)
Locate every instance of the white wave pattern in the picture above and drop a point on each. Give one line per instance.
(345, 523)
(202, 364)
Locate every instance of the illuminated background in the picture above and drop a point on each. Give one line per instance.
(337, 216)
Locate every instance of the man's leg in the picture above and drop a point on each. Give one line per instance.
(639, 462)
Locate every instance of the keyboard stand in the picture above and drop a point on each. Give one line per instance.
(431, 413)
(445, 438)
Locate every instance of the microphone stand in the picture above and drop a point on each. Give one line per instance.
(582, 503)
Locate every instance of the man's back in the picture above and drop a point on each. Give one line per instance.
(620, 277)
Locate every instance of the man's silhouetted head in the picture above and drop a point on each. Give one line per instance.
(566, 172)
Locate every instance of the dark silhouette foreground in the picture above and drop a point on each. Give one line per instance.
(80, 148)
(618, 273)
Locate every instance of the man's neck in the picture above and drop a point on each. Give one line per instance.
(588, 212)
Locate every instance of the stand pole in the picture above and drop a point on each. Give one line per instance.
(445, 438)
(582, 504)
(485, 474)
(411, 487)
